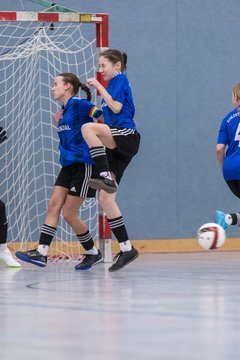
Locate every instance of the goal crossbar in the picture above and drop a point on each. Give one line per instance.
(101, 21)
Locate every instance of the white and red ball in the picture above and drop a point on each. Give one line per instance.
(211, 236)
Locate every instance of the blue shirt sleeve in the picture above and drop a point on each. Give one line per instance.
(87, 109)
(223, 133)
(119, 93)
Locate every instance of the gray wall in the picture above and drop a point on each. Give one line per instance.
(183, 59)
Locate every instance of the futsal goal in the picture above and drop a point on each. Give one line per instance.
(34, 48)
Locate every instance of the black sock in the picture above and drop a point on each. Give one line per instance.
(98, 154)
(86, 240)
(3, 223)
(234, 219)
(47, 234)
(118, 228)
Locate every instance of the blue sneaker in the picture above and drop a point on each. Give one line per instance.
(89, 260)
(32, 257)
(220, 219)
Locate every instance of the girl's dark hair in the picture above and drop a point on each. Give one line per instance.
(114, 56)
(72, 79)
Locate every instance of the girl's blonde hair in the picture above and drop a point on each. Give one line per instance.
(236, 91)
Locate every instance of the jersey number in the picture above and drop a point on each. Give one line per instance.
(237, 134)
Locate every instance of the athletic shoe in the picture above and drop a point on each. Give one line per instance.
(103, 183)
(123, 258)
(7, 258)
(88, 261)
(220, 219)
(32, 257)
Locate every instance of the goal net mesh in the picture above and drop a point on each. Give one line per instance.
(31, 55)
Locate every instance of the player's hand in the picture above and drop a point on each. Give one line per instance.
(58, 116)
(3, 135)
(93, 82)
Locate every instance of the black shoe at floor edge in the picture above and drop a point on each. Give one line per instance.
(89, 260)
(103, 183)
(123, 258)
(32, 257)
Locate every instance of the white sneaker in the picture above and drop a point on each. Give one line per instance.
(7, 258)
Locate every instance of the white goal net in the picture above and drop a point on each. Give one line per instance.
(31, 55)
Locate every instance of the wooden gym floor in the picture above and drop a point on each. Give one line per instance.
(163, 306)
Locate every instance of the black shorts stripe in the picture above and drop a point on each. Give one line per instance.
(122, 132)
(85, 186)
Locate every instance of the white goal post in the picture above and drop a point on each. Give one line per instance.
(34, 48)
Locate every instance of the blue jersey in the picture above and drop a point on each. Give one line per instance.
(120, 90)
(72, 146)
(229, 134)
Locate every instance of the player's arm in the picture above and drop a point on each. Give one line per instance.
(97, 114)
(220, 153)
(114, 105)
(3, 135)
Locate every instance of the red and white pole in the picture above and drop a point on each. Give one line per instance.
(105, 235)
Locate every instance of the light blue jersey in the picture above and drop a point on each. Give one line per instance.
(120, 90)
(72, 146)
(229, 134)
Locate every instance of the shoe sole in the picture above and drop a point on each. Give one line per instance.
(87, 267)
(99, 185)
(14, 266)
(135, 257)
(25, 258)
(10, 266)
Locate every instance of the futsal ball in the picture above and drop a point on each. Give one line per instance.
(211, 236)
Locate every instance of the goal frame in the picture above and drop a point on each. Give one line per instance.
(101, 21)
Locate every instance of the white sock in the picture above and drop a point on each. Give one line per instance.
(43, 249)
(3, 247)
(125, 246)
(106, 174)
(92, 251)
(228, 219)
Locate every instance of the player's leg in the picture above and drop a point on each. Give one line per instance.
(223, 219)
(5, 254)
(79, 191)
(115, 220)
(123, 143)
(92, 255)
(119, 159)
(39, 256)
(98, 137)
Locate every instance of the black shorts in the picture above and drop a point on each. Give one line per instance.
(234, 186)
(75, 178)
(128, 141)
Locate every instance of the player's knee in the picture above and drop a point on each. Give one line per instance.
(54, 207)
(68, 215)
(85, 129)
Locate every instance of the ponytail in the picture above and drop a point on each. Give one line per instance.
(85, 88)
(76, 84)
